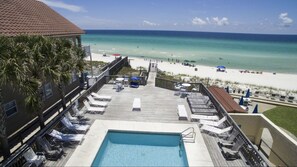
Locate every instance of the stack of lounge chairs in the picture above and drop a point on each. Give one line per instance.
(96, 103)
(201, 104)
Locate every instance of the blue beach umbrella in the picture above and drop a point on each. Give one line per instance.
(255, 109)
(241, 101)
(221, 67)
(247, 95)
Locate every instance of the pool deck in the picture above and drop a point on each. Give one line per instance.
(158, 114)
(197, 153)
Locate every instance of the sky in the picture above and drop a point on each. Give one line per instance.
(238, 16)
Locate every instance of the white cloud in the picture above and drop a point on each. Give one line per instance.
(198, 21)
(286, 21)
(175, 24)
(62, 5)
(145, 22)
(220, 22)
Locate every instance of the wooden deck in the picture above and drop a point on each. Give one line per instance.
(157, 105)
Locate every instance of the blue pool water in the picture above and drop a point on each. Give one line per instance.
(141, 149)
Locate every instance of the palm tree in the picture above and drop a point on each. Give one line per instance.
(13, 72)
(41, 69)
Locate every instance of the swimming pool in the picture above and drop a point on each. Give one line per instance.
(124, 148)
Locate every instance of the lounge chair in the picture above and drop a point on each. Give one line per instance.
(93, 102)
(182, 112)
(232, 153)
(213, 123)
(229, 142)
(34, 158)
(204, 117)
(66, 137)
(136, 104)
(215, 130)
(52, 152)
(100, 97)
(74, 127)
(94, 109)
(78, 113)
(71, 118)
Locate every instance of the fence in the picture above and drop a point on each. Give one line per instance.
(249, 152)
(16, 159)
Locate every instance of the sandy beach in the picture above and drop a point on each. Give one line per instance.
(278, 80)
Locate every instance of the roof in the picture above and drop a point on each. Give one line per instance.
(225, 100)
(33, 17)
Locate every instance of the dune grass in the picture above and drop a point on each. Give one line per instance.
(284, 117)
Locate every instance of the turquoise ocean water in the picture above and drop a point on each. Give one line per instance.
(271, 53)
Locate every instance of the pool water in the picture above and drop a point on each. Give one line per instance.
(121, 148)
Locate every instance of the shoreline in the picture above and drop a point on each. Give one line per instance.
(266, 79)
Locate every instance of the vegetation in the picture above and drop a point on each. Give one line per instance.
(284, 117)
(29, 62)
(97, 64)
(128, 71)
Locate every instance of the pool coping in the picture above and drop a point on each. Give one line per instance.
(84, 154)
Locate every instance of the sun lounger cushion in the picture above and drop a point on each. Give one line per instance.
(182, 113)
(136, 104)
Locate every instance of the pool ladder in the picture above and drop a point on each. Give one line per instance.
(188, 135)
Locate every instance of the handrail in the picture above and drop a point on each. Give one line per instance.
(182, 136)
(187, 129)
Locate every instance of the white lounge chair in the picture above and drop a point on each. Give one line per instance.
(232, 153)
(215, 130)
(100, 97)
(136, 104)
(229, 142)
(213, 123)
(93, 102)
(93, 110)
(74, 127)
(204, 117)
(77, 112)
(66, 137)
(71, 118)
(182, 113)
(34, 158)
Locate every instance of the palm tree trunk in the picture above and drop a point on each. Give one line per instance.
(3, 136)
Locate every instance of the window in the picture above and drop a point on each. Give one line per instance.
(48, 92)
(10, 108)
(73, 76)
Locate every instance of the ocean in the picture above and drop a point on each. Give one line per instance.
(269, 53)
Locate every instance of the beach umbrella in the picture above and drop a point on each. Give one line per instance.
(247, 95)
(116, 54)
(241, 101)
(221, 67)
(255, 109)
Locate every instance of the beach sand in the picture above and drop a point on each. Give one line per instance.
(279, 80)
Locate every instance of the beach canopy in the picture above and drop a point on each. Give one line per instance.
(241, 101)
(221, 67)
(255, 109)
(135, 78)
(247, 93)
